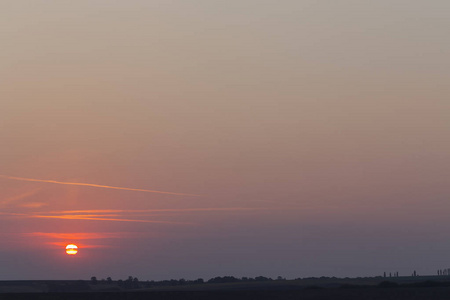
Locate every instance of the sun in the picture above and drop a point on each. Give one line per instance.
(71, 249)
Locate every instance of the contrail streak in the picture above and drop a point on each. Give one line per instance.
(105, 211)
(80, 235)
(20, 197)
(96, 185)
(91, 217)
(82, 217)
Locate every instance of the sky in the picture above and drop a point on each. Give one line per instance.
(195, 139)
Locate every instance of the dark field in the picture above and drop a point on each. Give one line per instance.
(432, 287)
(432, 293)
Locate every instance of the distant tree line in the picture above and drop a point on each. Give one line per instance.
(391, 274)
(443, 272)
(134, 283)
(130, 283)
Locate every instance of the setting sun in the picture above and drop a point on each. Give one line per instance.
(71, 249)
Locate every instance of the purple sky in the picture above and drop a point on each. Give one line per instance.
(295, 138)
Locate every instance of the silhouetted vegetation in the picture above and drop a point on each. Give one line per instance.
(133, 283)
(443, 272)
(229, 287)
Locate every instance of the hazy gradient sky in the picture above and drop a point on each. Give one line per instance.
(302, 137)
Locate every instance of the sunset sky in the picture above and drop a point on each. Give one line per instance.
(194, 139)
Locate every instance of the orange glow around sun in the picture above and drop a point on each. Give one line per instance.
(71, 249)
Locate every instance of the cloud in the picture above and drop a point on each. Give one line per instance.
(34, 204)
(83, 235)
(11, 214)
(123, 215)
(96, 186)
(116, 214)
(94, 211)
(19, 197)
(80, 246)
(96, 217)
(82, 239)
(102, 218)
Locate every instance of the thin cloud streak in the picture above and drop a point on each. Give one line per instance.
(96, 185)
(90, 217)
(96, 211)
(12, 214)
(82, 239)
(80, 246)
(82, 235)
(82, 217)
(34, 205)
(116, 214)
(20, 196)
